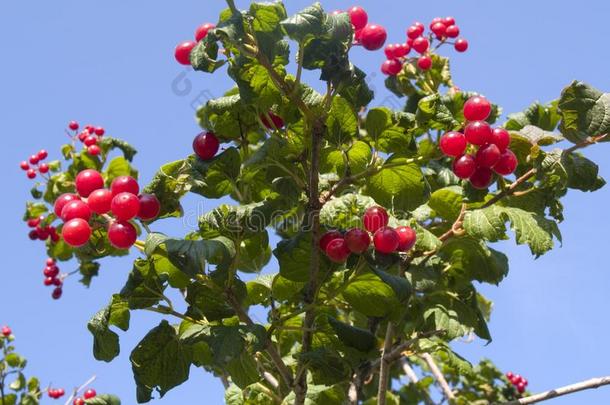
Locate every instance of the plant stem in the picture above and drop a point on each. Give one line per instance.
(384, 372)
(397, 352)
(558, 392)
(231, 4)
(438, 375)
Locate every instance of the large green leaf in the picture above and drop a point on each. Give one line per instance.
(368, 294)
(389, 131)
(585, 112)
(358, 338)
(342, 122)
(103, 399)
(345, 212)
(472, 260)
(307, 23)
(218, 175)
(105, 341)
(542, 116)
(294, 257)
(119, 166)
(447, 202)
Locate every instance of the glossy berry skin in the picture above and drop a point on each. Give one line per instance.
(6, 331)
(421, 44)
(182, 53)
(453, 143)
(78, 401)
(391, 67)
(73, 125)
(337, 250)
(487, 156)
(390, 51)
(24, 165)
(358, 17)
(501, 138)
(31, 174)
(51, 271)
(90, 140)
(507, 164)
(33, 159)
(88, 181)
(481, 178)
(438, 29)
(375, 218)
(48, 281)
(206, 145)
(357, 240)
(125, 206)
(478, 132)
(99, 201)
(276, 121)
(122, 235)
(90, 393)
(424, 62)
(477, 109)
(56, 294)
(124, 184)
(452, 31)
(464, 166)
(76, 232)
(386, 240)
(202, 31)
(99, 131)
(94, 150)
(50, 261)
(521, 388)
(61, 202)
(372, 37)
(461, 45)
(42, 154)
(76, 209)
(448, 21)
(328, 237)
(43, 168)
(401, 50)
(510, 375)
(406, 237)
(149, 207)
(415, 31)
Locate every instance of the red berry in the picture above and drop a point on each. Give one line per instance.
(33, 235)
(464, 166)
(149, 207)
(477, 108)
(481, 178)
(125, 206)
(56, 294)
(521, 387)
(52, 393)
(183, 52)
(435, 20)
(82, 136)
(461, 45)
(124, 184)
(438, 29)
(90, 140)
(524, 381)
(276, 121)
(50, 261)
(448, 21)
(452, 31)
(357, 37)
(6, 331)
(415, 31)
(358, 17)
(407, 238)
(99, 201)
(48, 281)
(391, 67)
(337, 250)
(76, 232)
(61, 202)
(93, 150)
(206, 145)
(42, 155)
(43, 168)
(501, 138)
(421, 44)
(33, 222)
(90, 129)
(389, 51)
(401, 50)
(51, 271)
(328, 237)
(373, 37)
(478, 132)
(507, 163)
(73, 125)
(453, 143)
(375, 218)
(31, 174)
(60, 392)
(99, 131)
(202, 31)
(34, 159)
(88, 181)
(357, 240)
(122, 235)
(386, 240)
(424, 62)
(78, 401)
(488, 155)
(90, 393)
(24, 165)
(57, 282)
(76, 209)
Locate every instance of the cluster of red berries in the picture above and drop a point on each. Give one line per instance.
(370, 36)
(56, 393)
(89, 136)
(441, 28)
(122, 199)
(517, 381)
(492, 154)
(183, 50)
(6, 331)
(386, 240)
(90, 393)
(40, 231)
(52, 278)
(34, 164)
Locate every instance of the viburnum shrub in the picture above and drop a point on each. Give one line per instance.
(383, 219)
(15, 389)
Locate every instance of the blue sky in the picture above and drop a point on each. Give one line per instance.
(111, 63)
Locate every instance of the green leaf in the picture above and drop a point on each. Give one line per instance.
(9, 399)
(229, 118)
(219, 175)
(105, 342)
(472, 260)
(354, 88)
(294, 257)
(401, 286)
(204, 56)
(144, 287)
(19, 383)
(119, 166)
(585, 112)
(345, 212)
(170, 184)
(320, 395)
(342, 122)
(306, 23)
(582, 172)
(160, 360)
(259, 289)
(108, 144)
(207, 301)
(447, 202)
(401, 188)
(104, 399)
(267, 16)
(326, 365)
(388, 130)
(358, 338)
(243, 371)
(254, 253)
(370, 295)
(542, 116)
(284, 289)
(34, 210)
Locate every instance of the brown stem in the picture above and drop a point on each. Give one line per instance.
(558, 392)
(438, 375)
(384, 368)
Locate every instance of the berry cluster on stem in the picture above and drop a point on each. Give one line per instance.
(89, 136)
(517, 381)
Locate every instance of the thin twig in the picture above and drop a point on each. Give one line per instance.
(558, 392)
(384, 368)
(410, 373)
(397, 352)
(438, 375)
(79, 389)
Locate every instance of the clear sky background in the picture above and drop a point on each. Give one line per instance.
(111, 63)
